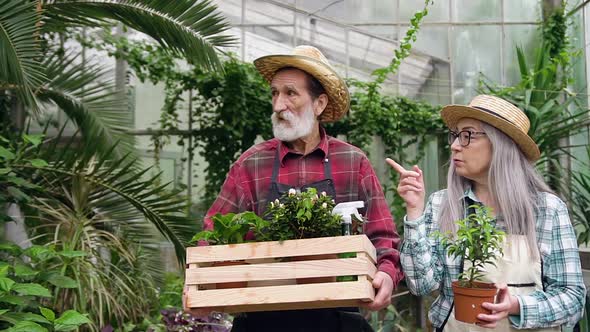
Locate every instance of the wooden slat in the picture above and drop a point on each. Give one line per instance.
(332, 294)
(290, 306)
(275, 249)
(283, 270)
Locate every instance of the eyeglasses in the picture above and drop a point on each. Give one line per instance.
(464, 136)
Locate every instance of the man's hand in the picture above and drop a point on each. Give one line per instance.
(203, 312)
(505, 305)
(384, 285)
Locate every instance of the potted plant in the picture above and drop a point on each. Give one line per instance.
(477, 242)
(230, 228)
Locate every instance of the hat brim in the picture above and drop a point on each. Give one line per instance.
(451, 115)
(338, 96)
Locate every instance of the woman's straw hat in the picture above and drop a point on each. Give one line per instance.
(312, 61)
(499, 113)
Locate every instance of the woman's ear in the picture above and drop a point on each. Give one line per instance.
(320, 104)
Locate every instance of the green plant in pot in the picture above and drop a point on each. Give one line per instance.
(478, 242)
(231, 228)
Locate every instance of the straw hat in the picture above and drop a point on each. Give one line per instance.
(499, 113)
(312, 61)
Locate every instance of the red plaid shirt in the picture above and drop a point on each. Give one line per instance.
(248, 182)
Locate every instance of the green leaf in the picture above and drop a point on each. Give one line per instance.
(4, 171)
(17, 194)
(62, 281)
(39, 253)
(14, 299)
(3, 311)
(72, 253)
(31, 289)
(22, 270)
(6, 154)
(39, 163)
(6, 284)
(35, 140)
(70, 320)
(29, 316)
(48, 313)
(4, 268)
(27, 326)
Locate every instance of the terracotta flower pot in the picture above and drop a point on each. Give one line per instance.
(468, 300)
(302, 281)
(234, 284)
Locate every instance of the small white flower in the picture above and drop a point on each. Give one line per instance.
(281, 205)
(292, 191)
(324, 193)
(272, 204)
(277, 201)
(324, 205)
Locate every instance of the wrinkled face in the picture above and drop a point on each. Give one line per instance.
(472, 161)
(294, 114)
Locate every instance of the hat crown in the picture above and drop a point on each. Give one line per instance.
(502, 108)
(310, 52)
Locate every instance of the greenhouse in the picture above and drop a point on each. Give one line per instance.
(148, 157)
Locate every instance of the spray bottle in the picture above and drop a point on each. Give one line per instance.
(347, 210)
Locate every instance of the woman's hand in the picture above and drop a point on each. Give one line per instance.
(410, 188)
(505, 305)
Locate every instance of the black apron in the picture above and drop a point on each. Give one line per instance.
(310, 320)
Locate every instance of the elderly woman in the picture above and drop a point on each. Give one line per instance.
(492, 164)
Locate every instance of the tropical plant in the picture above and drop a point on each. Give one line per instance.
(190, 28)
(300, 215)
(581, 201)
(26, 287)
(107, 211)
(231, 228)
(477, 241)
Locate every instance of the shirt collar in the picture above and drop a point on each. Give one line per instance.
(468, 193)
(284, 150)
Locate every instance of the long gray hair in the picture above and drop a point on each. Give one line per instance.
(514, 185)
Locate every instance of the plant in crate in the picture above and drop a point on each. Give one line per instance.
(300, 215)
(478, 242)
(231, 228)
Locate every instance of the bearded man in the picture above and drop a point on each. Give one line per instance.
(305, 92)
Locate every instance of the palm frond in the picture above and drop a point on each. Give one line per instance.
(188, 28)
(117, 191)
(86, 93)
(19, 50)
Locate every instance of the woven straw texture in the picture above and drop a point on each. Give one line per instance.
(506, 117)
(312, 61)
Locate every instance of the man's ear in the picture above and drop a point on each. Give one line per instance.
(319, 105)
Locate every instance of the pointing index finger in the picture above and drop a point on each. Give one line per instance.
(397, 167)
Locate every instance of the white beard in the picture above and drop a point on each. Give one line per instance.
(288, 127)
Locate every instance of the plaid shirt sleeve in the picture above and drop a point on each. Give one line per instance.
(419, 255)
(233, 196)
(562, 301)
(379, 227)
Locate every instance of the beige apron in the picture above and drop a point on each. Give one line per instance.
(513, 268)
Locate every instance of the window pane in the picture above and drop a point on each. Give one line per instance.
(474, 56)
(526, 37)
(476, 10)
(522, 10)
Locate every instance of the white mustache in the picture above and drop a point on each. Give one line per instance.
(285, 115)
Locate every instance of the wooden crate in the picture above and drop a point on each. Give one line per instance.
(273, 263)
